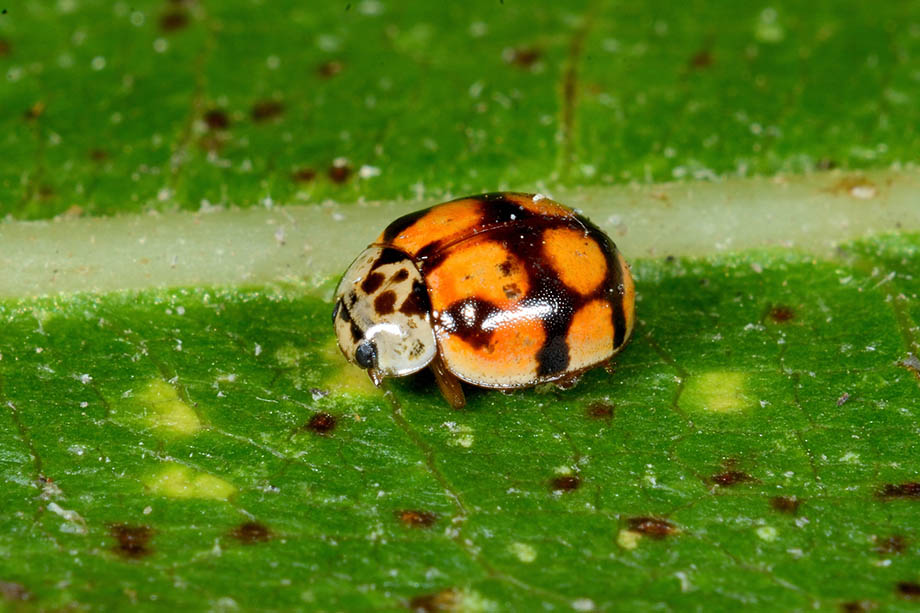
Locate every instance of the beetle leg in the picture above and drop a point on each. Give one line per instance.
(376, 377)
(448, 384)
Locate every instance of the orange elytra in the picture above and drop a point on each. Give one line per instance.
(501, 290)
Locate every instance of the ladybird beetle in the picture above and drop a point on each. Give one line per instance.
(501, 290)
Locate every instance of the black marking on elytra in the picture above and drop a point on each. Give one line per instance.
(402, 224)
(400, 276)
(372, 282)
(416, 303)
(388, 255)
(356, 333)
(385, 303)
(467, 317)
(553, 357)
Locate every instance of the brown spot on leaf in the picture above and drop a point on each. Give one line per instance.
(417, 519)
(652, 527)
(909, 589)
(826, 164)
(730, 478)
(304, 175)
(524, 57)
(173, 20)
(781, 313)
(98, 155)
(445, 600)
(5, 47)
(858, 606)
(900, 490)
(216, 119)
(843, 399)
(891, 545)
(566, 483)
(266, 109)
(211, 142)
(322, 423)
(600, 409)
(785, 504)
(251, 532)
(339, 173)
(132, 541)
(14, 591)
(701, 59)
(329, 69)
(45, 192)
(35, 111)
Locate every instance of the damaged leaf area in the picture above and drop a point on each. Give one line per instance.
(113, 107)
(755, 444)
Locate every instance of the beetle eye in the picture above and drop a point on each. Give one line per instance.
(366, 355)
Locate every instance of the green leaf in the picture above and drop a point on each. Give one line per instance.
(115, 107)
(756, 443)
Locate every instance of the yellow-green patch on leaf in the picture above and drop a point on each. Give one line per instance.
(716, 391)
(177, 481)
(165, 411)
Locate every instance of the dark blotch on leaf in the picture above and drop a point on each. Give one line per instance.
(731, 477)
(251, 532)
(417, 519)
(132, 541)
(892, 545)
(217, 119)
(701, 59)
(322, 423)
(900, 490)
(174, 20)
(339, 173)
(566, 483)
(858, 606)
(785, 504)
(304, 175)
(781, 313)
(13, 591)
(652, 527)
(826, 164)
(600, 409)
(35, 111)
(525, 57)
(98, 155)
(445, 600)
(5, 47)
(909, 589)
(266, 109)
(329, 69)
